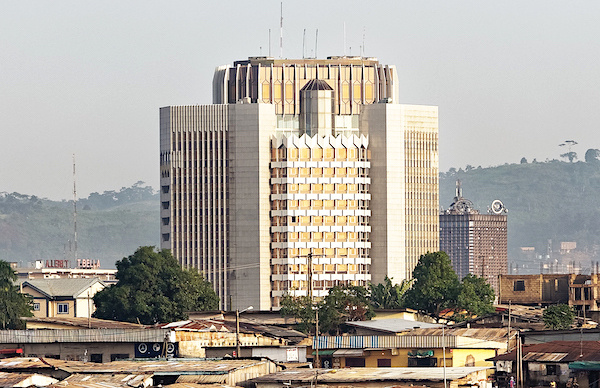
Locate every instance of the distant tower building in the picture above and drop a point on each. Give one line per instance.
(299, 159)
(476, 243)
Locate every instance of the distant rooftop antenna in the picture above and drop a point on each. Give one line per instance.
(458, 189)
(304, 44)
(269, 42)
(74, 208)
(344, 38)
(281, 33)
(316, 41)
(363, 45)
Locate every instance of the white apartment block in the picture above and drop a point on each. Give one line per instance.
(299, 161)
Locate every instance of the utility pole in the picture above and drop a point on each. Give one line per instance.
(508, 334)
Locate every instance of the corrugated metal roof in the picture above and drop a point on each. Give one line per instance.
(492, 334)
(189, 366)
(194, 385)
(8, 379)
(71, 287)
(544, 357)
(365, 341)
(574, 350)
(162, 367)
(118, 379)
(392, 325)
(82, 335)
(349, 375)
(93, 323)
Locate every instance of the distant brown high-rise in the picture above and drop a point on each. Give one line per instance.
(476, 243)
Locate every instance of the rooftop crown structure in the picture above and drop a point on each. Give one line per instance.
(303, 174)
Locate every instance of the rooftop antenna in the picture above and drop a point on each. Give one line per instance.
(303, 44)
(74, 208)
(281, 33)
(316, 41)
(344, 38)
(363, 45)
(269, 42)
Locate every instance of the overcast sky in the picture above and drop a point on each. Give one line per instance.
(511, 78)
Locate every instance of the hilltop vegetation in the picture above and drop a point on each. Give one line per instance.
(109, 225)
(551, 200)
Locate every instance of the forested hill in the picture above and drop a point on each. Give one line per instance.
(110, 225)
(552, 200)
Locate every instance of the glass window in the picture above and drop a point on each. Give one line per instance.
(63, 308)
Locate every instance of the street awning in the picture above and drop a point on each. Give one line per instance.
(585, 365)
(324, 352)
(348, 353)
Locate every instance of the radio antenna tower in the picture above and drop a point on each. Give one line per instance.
(281, 33)
(74, 209)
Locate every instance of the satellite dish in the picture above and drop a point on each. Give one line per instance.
(497, 207)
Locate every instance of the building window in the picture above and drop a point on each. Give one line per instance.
(355, 362)
(119, 356)
(519, 285)
(552, 370)
(384, 362)
(63, 308)
(36, 307)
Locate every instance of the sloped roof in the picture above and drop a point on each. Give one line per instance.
(82, 322)
(223, 325)
(392, 325)
(557, 351)
(350, 375)
(9, 379)
(482, 334)
(61, 287)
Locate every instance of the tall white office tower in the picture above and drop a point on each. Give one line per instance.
(299, 161)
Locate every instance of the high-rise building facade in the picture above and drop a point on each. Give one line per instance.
(475, 242)
(299, 161)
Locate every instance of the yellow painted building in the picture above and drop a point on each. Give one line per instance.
(410, 350)
(62, 297)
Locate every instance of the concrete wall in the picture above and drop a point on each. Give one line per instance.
(251, 128)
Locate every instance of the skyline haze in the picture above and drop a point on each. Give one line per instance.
(511, 80)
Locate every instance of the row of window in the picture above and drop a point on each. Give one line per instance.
(326, 172)
(319, 236)
(319, 220)
(283, 269)
(284, 285)
(316, 204)
(63, 308)
(317, 188)
(314, 154)
(283, 253)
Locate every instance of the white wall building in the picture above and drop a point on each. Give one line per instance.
(299, 160)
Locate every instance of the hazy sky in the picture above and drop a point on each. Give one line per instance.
(511, 78)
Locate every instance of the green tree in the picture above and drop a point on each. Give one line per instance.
(558, 317)
(387, 295)
(591, 155)
(342, 304)
(13, 304)
(153, 288)
(435, 284)
(476, 296)
(570, 156)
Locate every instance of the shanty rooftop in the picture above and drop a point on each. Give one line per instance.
(556, 351)
(349, 375)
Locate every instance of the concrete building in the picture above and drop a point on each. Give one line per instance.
(62, 297)
(582, 292)
(299, 165)
(476, 243)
